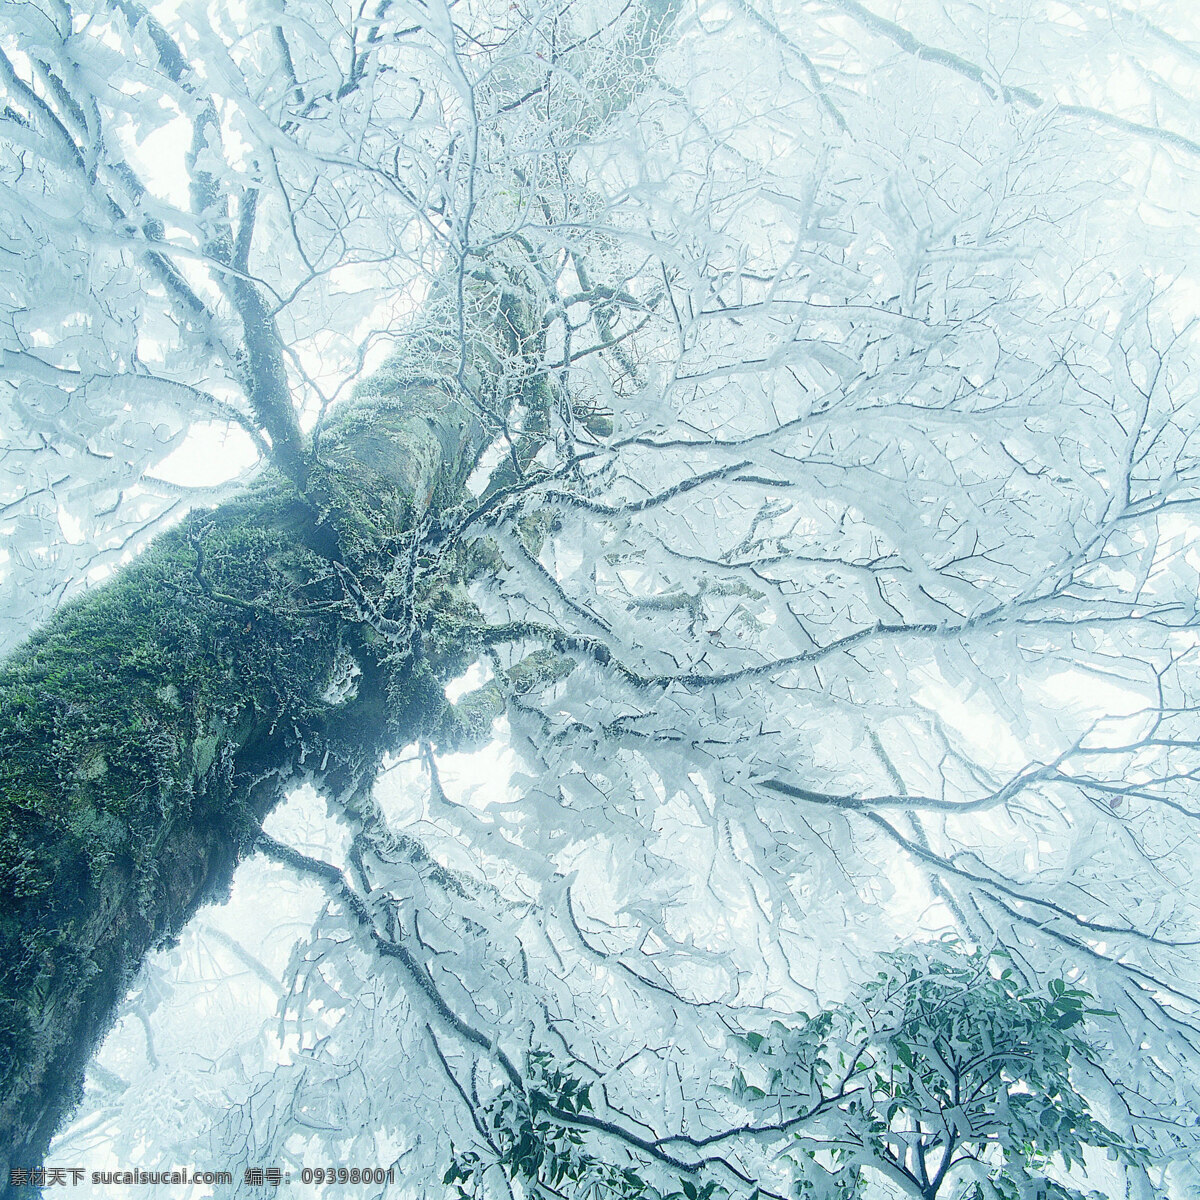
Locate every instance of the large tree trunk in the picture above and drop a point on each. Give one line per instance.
(148, 730)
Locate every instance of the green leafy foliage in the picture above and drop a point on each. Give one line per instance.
(952, 1076)
(531, 1140)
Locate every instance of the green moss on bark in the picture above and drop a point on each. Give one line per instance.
(144, 734)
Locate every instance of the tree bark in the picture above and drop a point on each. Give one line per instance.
(148, 730)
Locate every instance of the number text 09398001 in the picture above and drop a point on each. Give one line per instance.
(348, 1175)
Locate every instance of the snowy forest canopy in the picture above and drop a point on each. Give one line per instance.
(659, 538)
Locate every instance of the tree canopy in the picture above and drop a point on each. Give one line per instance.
(703, 506)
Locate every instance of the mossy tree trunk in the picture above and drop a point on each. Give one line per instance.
(146, 733)
(299, 631)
